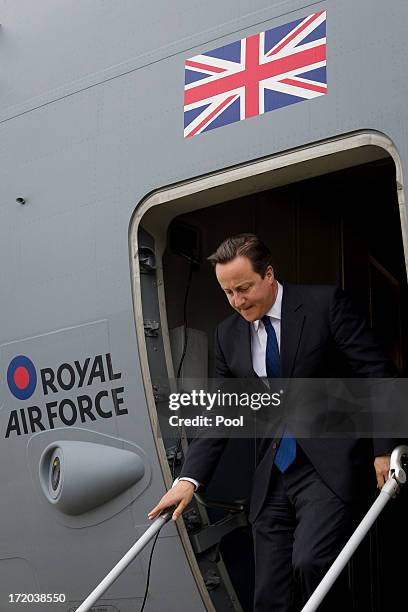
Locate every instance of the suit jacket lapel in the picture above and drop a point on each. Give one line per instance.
(244, 342)
(292, 321)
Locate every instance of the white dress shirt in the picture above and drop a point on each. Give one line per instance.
(258, 348)
(259, 336)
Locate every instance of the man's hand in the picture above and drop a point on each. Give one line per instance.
(180, 495)
(382, 467)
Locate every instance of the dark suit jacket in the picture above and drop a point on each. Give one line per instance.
(320, 333)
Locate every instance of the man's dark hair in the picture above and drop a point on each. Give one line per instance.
(243, 245)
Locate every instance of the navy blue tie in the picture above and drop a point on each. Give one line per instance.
(286, 453)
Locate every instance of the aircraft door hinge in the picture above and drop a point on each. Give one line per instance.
(211, 535)
(174, 454)
(158, 394)
(147, 260)
(151, 328)
(212, 580)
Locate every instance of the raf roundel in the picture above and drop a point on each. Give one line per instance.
(22, 377)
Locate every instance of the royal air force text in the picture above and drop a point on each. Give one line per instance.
(85, 407)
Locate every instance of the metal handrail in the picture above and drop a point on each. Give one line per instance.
(116, 571)
(397, 478)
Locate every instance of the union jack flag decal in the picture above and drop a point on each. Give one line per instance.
(255, 75)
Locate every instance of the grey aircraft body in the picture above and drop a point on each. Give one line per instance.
(108, 138)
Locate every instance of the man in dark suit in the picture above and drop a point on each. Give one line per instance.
(304, 490)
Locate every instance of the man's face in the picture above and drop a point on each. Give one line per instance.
(247, 292)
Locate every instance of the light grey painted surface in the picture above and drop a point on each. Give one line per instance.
(83, 162)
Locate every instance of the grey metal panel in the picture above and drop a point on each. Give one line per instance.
(83, 164)
(138, 129)
(69, 554)
(59, 49)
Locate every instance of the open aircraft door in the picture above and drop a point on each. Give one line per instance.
(333, 209)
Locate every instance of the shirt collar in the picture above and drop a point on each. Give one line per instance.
(276, 308)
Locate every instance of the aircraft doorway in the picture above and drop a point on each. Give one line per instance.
(341, 227)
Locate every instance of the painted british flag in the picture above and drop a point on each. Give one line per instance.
(255, 75)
